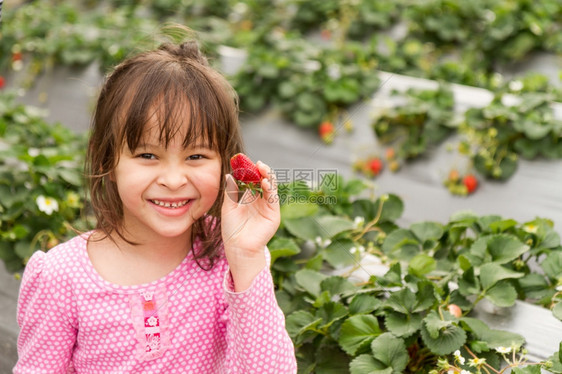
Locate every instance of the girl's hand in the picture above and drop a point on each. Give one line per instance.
(247, 226)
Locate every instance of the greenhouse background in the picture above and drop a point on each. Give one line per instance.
(386, 106)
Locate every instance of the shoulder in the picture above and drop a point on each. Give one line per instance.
(58, 261)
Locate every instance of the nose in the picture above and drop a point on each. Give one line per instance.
(173, 177)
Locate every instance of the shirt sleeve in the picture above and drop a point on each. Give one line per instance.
(256, 336)
(47, 336)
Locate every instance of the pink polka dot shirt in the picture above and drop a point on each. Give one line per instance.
(190, 321)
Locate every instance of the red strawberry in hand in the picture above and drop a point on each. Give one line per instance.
(246, 173)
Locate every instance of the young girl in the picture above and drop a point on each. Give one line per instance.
(175, 277)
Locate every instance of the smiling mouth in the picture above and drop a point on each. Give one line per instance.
(167, 204)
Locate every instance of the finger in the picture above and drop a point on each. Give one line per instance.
(231, 190)
(269, 177)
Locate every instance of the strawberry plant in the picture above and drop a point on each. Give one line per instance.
(495, 136)
(424, 121)
(40, 183)
(363, 294)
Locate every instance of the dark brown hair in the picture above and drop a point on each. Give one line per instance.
(172, 78)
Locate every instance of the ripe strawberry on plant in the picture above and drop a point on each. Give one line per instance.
(470, 182)
(326, 131)
(246, 173)
(375, 166)
(2, 82)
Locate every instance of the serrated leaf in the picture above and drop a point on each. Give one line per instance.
(391, 351)
(425, 296)
(298, 210)
(552, 264)
(330, 359)
(401, 301)
(427, 230)
(434, 324)
(403, 325)
(557, 310)
(304, 228)
(310, 280)
(491, 273)
(449, 340)
(331, 312)
(469, 283)
(282, 247)
(366, 364)
(357, 331)
(493, 338)
(338, 253)
(336, 285)
(501, 294)
(421, 265)
(400, 238)
(529, 369)
(505, 248)
(330, 225)
(363, 303)
(301, 321)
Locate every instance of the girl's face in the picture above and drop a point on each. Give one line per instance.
(164, 190)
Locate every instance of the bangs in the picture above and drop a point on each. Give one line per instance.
(175, 100)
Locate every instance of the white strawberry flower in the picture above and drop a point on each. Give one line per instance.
(47, 205)
(503, 349)
(458, 357)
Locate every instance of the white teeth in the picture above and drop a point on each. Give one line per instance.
(170, 205)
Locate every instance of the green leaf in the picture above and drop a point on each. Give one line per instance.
(505, 248)
(282, 247)
(367, 364)
(301, 321)
(403, 325)
(421, 265)
(338, 253)
(398, 239)
(557, 310)
(357, 332)
(391, 351)
(494, 338)
(529, 369)
(330, 359)
(310, 280)
(401, 301)
(363, 303)
(449, 340)
(24, 249)
(392, 208)
(434, 324)
(304, 228)
(336, 285)
(298, 210)
(333, 225)
(491, 273)
(331, 312)
(427, 230)
(552, 264)
(502, 294)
